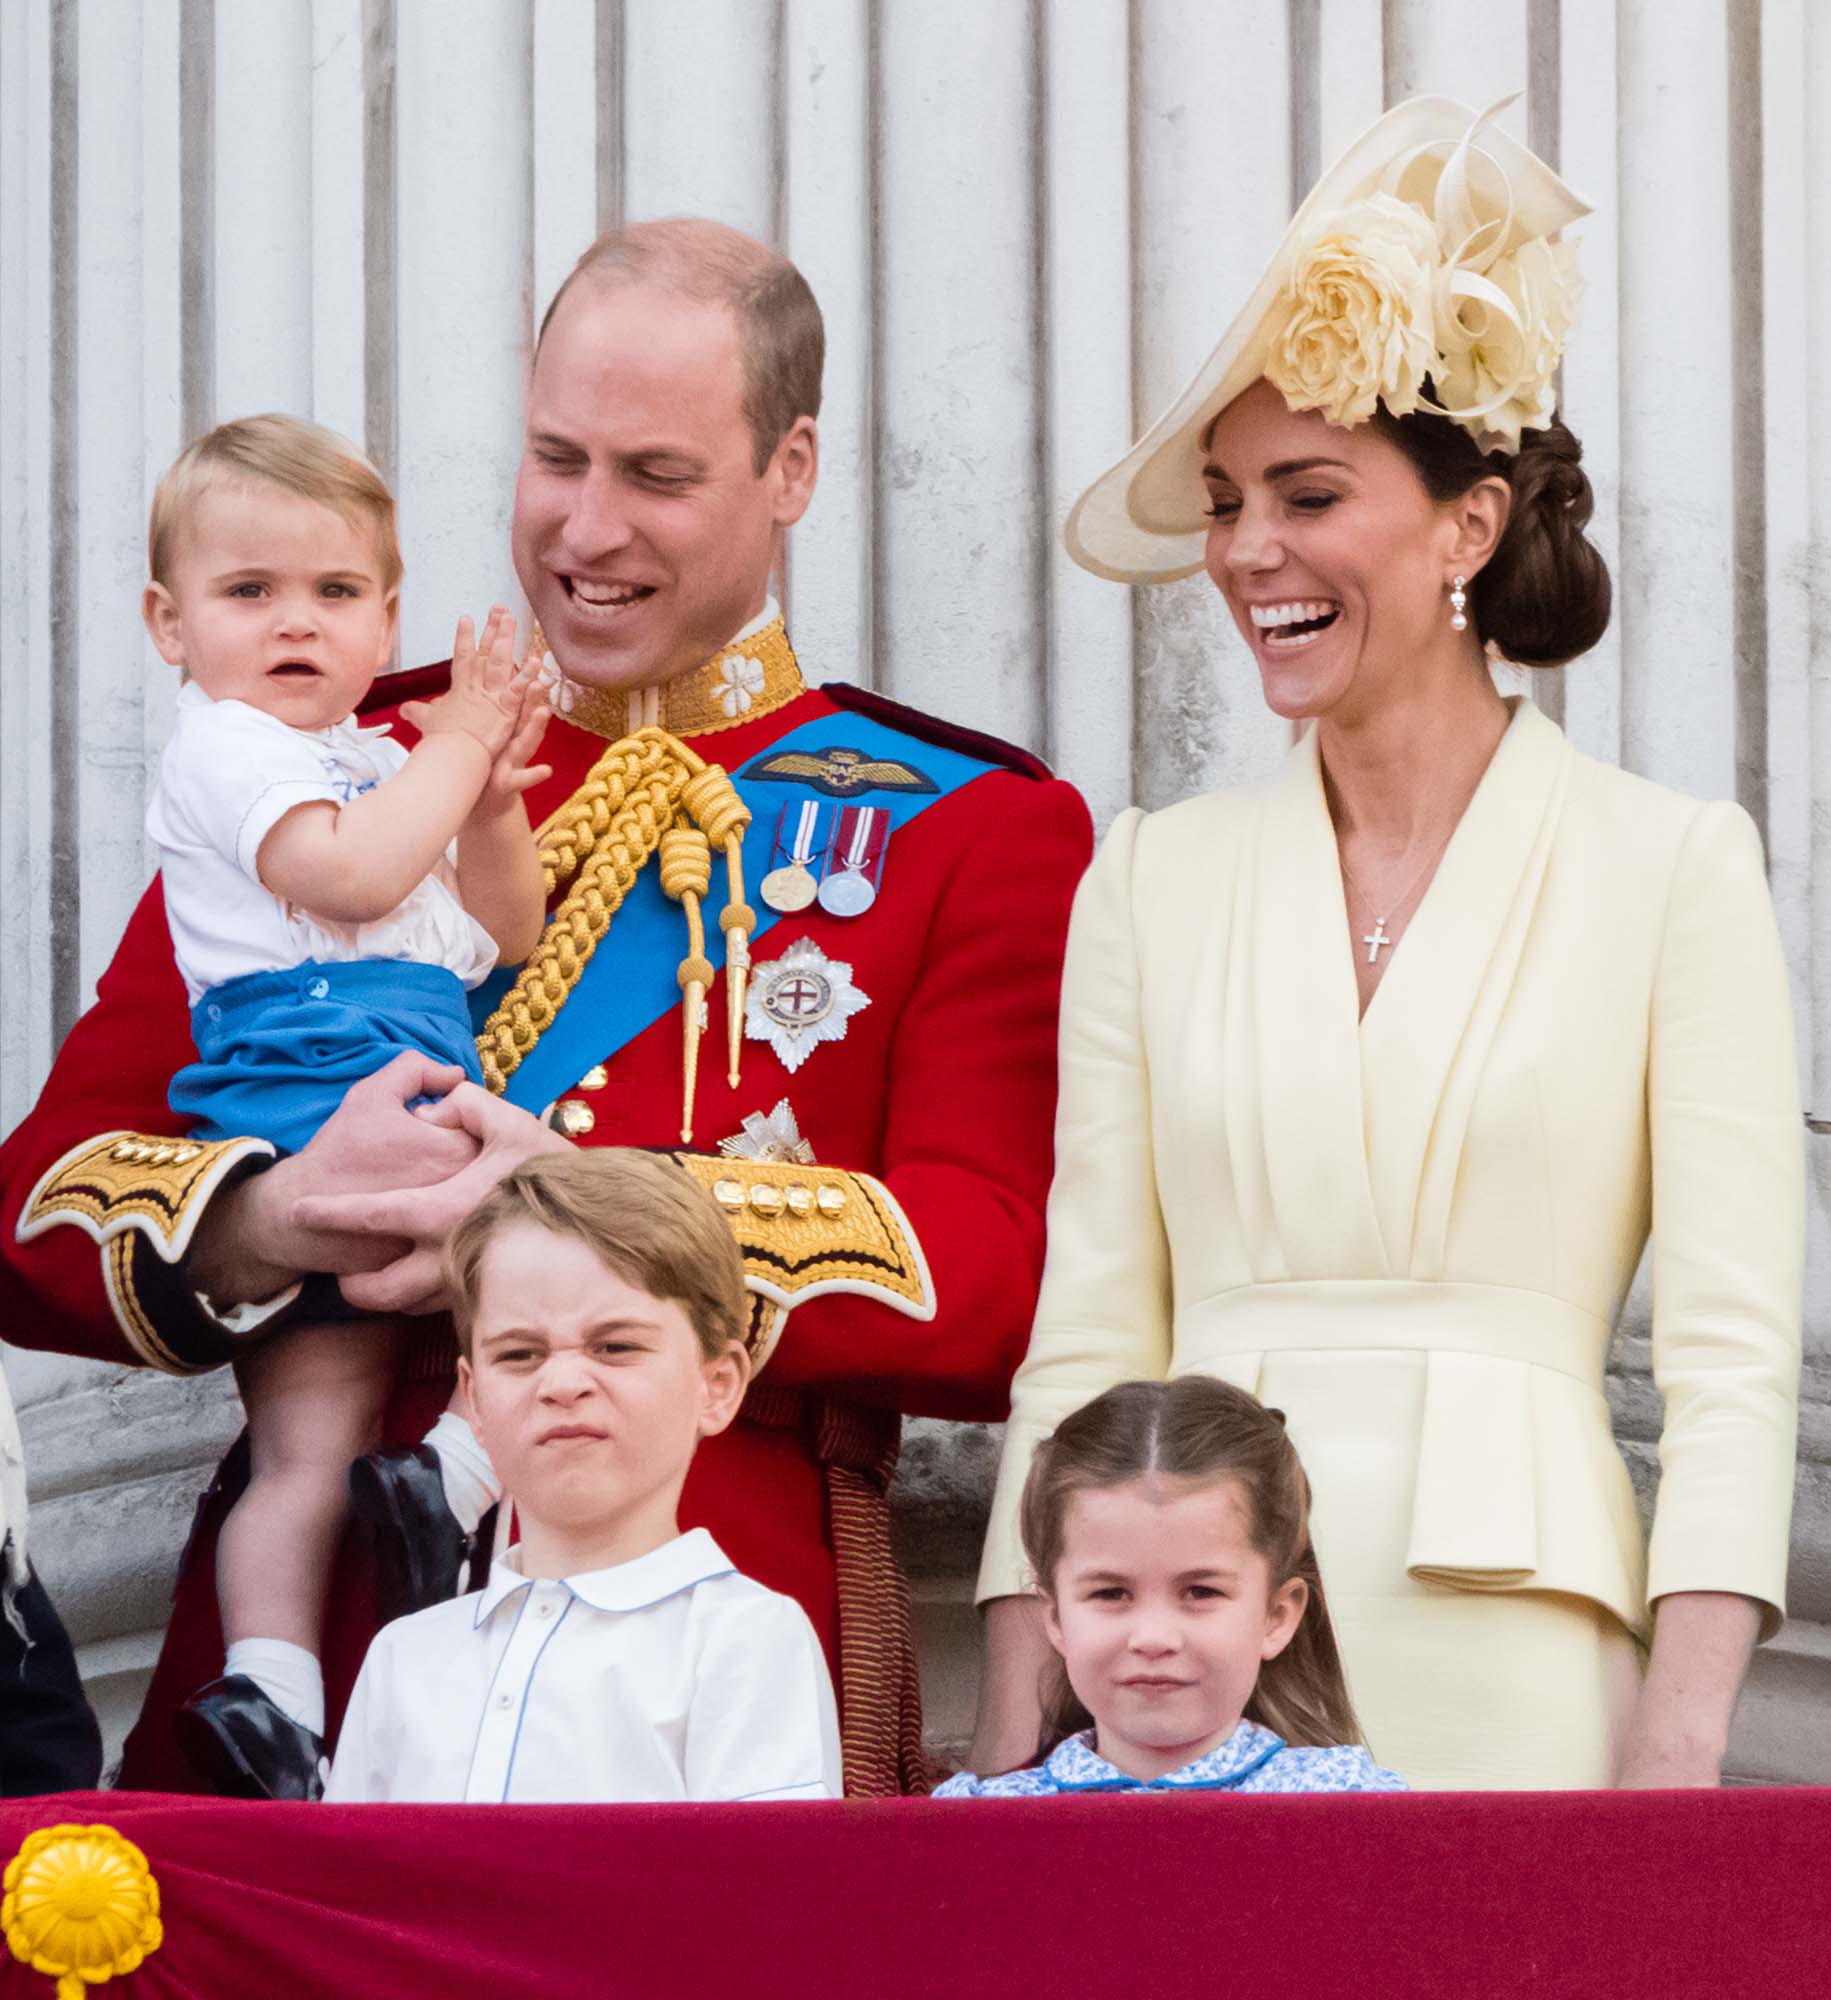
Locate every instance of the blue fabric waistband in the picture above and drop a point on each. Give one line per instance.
(385, 985)
(277, 1050)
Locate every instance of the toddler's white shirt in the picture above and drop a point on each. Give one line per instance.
(667, 1678)
(229, 774)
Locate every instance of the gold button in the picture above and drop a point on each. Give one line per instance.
(594, 1078)
(800, 1199)
(571, 1119)
(831, 1200)
(765, 1199)
(728, 1194)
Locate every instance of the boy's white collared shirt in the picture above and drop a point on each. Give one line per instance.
(671, 1677)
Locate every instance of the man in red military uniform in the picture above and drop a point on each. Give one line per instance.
(860, 1061)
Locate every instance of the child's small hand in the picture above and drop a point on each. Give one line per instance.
(511, 774)
(485, 700)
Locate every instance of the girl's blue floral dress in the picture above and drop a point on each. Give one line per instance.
(1253, 1759)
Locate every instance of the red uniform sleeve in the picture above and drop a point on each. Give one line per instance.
(92, 1286)
(969, 1123)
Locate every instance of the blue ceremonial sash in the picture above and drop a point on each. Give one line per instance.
(630, 981)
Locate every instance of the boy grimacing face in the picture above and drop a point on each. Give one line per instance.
(590, 1398)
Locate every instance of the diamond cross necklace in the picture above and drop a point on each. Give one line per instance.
(1379, 938)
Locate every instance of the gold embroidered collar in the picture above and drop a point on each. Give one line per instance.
(742, 682)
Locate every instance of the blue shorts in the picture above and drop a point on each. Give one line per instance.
(277, 1050)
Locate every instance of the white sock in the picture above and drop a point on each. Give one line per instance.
(287, 1675)
(471, 1485)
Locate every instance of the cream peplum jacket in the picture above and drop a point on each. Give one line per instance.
(1584, 1036)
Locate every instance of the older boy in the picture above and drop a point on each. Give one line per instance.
(599, 1300)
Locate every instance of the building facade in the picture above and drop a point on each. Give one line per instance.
(1026, 220)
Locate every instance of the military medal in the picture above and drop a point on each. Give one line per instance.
(799, 1001)
(855, 861)
(792, 887)
(774, 1136)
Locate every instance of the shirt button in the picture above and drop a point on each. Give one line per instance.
(318, 988)
(505, 1699)
(544, 1609)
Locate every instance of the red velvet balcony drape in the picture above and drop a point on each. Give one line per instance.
(1626, 1895)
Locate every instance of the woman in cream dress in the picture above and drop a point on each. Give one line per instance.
(1377, 1076)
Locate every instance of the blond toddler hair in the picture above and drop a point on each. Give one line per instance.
(298, 457)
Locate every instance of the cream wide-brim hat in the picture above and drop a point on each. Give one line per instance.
(1145, 520)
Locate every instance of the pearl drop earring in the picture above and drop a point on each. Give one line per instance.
(1458, 598)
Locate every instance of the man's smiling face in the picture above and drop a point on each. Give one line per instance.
(643, 532)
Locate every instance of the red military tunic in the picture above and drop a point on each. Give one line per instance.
(942, 1088)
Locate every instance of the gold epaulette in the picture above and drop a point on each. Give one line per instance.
(128, 1187)
(807, 1231)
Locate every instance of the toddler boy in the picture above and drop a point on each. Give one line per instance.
(599, 1302)
(332, 897)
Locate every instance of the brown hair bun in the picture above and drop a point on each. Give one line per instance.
(1544, 595)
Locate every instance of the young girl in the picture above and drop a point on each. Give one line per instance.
(331, 896)
(1167, 1525)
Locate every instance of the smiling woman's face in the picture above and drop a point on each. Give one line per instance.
(1332, 557)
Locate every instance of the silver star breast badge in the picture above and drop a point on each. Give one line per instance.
(774, 1137)
(800, 1000)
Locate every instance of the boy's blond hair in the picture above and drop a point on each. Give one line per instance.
(641, 1216)
(298, 457)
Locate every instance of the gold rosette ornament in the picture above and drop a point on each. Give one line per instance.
(81, 1906)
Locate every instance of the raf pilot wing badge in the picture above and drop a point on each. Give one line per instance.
(839, 773)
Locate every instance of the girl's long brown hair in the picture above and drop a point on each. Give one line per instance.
(1198, 1430)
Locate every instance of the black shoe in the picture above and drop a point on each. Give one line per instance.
(244, 1746)
(420, 1550)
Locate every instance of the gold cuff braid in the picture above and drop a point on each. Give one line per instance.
(807, 1231)
(126, 1188)
(135, 1181)
(763, 1324)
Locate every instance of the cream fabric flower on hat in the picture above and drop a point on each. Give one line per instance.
(1353, 326)
(1500, 339)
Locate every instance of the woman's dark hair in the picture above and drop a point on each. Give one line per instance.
(1198, 1430)
(1543, 596)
